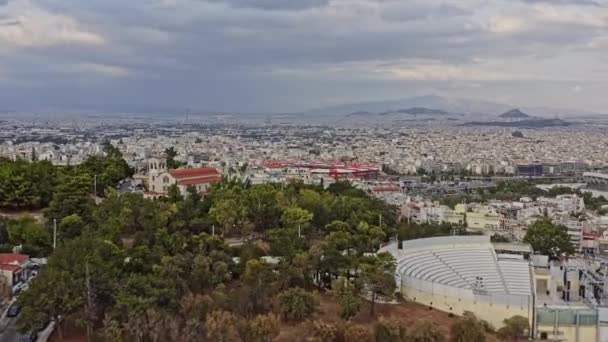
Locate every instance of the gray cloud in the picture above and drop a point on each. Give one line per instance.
(275, 4)
(566, 2)
(263, 55)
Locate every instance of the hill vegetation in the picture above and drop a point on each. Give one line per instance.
(246, 263)
(174, 278)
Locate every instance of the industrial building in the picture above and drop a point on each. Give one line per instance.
(336, 170)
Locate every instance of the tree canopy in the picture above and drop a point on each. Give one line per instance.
(549, 239)
(140, 269)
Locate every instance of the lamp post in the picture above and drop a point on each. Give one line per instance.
(54, 234)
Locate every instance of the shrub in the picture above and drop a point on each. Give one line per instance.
(389, 330)
(324, 332)
(425, 331)
(466, 330)
(357, 333)
(296, 304)
(263, 328)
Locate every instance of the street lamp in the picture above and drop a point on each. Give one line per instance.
(54, 233)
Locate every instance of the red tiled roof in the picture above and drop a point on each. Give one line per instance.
(385, 188)
(9, 267)
(197, 172)
(13, 258)
(199, 180)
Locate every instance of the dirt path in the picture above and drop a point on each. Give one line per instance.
(37, 214)
(410, 313)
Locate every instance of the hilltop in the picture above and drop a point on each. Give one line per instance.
(530, 123)
(416, 111)
(514, 114)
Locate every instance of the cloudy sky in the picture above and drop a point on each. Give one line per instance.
(290, 55)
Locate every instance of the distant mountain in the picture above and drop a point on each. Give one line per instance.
(416, 111)
(448, 105)
(514, 114)
(529, 123)
(428, 101)
(360, 113)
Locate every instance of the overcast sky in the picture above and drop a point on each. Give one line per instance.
(290, 55)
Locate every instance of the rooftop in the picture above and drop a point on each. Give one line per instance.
(194, 172)
(9, 267)
(199, 180)
(13, 258)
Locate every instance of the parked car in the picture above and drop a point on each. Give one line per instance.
(18, 288)
(30, 337)
(13, 310)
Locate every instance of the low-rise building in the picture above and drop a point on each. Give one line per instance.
(16, 268)
(200, 178)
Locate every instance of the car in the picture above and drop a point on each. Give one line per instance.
(19, 287)
(13, 310)
(30, 337)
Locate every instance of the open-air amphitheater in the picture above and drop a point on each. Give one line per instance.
(563, 300)
(596, 180)
(464, 273)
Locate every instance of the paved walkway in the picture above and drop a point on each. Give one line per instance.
(45, 334)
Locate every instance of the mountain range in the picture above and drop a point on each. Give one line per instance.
(526, 123)
(406, 111)
(416, 111)
(447, 105)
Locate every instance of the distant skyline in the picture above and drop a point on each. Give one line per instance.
(294, 55)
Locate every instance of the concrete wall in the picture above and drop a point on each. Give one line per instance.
(567, 323)
(570, 333)
(492, 308)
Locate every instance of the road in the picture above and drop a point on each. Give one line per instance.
(8, 330)
(125, 186)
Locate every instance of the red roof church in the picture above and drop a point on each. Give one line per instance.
(201, 178)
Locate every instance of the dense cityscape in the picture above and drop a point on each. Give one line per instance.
(278, 199)
(404, 150)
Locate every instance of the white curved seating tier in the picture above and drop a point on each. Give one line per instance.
(461, 268)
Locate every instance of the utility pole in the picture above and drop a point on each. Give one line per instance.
(380, 219)
(213, 230)
(299, 231)
(54, 234)
(89, 300)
